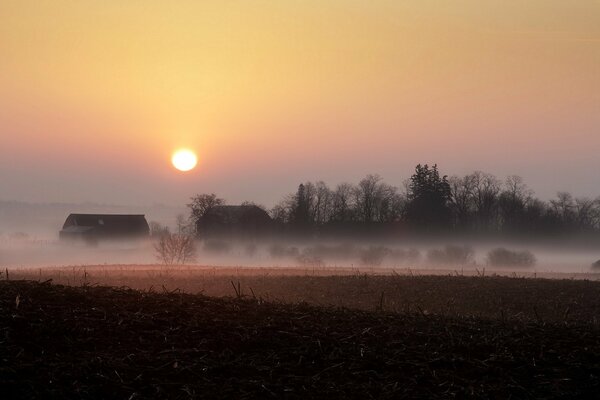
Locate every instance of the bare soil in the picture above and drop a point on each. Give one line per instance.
(108, 342)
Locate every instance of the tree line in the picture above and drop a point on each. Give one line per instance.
(428, 203)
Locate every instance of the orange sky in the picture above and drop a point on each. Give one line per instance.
(95, 95)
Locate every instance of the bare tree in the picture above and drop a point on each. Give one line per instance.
(486, 191)
(462, 191)
(342, 202)
(365, 195)
(283, 211)
(200, 204)
(175, 248)
(512, 204)
(586, 213)
(322, 204)
(388, 203)
(516, 188)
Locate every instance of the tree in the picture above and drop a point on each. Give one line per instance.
(283, 212)
(587, 214)
(342, 203)
(564, 208)
(322, 203)
(512, 204)
(428, 199)
(175, 248)
(365, 196)
(200, 204)
(301, 212)
(485, 199)
(376, 201)
(462, 191)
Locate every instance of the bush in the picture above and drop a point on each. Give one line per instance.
(507, 258)
(452, 255)
(175, 248)
(596, 264)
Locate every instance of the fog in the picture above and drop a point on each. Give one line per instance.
(29, 238)
(22, 251)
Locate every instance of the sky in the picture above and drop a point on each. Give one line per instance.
(96, 95)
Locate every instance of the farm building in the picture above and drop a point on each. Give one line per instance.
(245, 221)
(92, 227)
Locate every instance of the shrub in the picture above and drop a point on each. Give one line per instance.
(452, 255)
(175, 248)
(508, 258)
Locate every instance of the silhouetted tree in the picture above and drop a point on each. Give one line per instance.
(428, 199)
(474, 203)
(512, 204)
(376, 201)
(365, 195)
(200, 204)
(485, 201)
(322, 203)
(587, 214)
(342, 206)
(283, 211)
(462, 200)
(564, 209)
(301, 218)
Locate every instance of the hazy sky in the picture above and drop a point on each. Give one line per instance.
(95, 95)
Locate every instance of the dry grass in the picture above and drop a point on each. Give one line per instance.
(451, 293)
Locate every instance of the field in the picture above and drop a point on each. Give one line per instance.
(295, 334)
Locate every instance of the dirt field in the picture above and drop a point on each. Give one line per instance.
(484, 337)
(468, 292)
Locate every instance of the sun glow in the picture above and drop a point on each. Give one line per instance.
(184, 160)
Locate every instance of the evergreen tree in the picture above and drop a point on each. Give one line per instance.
(301, 212)
(428, 199)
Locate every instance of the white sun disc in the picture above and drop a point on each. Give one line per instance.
(184, 160)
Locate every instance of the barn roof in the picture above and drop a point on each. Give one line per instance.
(99, 220)
(104, 225)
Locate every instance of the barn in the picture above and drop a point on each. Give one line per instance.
(92, 227)
(245, 221)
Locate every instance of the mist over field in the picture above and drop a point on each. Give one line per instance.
(385, 255)
(347, 227)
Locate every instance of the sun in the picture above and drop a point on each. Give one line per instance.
(184, 160)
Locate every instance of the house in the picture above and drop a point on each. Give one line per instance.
(92, 227)
(245, 221)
